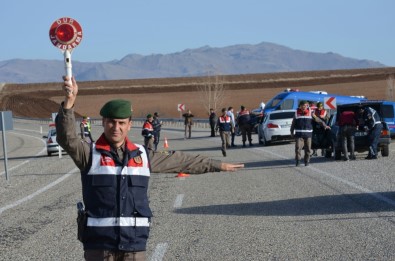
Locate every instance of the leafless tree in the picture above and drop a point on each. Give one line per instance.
(212, 92)
(390, 87)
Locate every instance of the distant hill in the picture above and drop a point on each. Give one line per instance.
(237, 59)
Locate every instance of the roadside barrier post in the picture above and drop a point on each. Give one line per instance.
(6, 124)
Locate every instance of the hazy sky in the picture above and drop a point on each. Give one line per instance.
(361, 29)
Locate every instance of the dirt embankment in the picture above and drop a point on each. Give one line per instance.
(163, 95)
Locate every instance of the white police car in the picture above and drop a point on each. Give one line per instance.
(275, 126)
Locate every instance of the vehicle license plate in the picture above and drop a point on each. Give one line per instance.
(361, 133)
(286, 126)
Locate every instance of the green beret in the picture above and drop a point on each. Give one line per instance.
(149, 115)
(117, 109)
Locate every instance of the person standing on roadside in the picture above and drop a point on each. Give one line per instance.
(302, 130)
(86, 129)
(213, 121)
(188, 121)
(319, 133)
(347, 124)
(115, 176)
(148, 132)
(224, 125)
(374, 126)
(157, 125)
(243, 120)
(232, 131)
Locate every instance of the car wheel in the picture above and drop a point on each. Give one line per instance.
(385, 152)
(49, 154)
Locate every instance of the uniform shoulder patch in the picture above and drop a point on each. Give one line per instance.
(138, 159)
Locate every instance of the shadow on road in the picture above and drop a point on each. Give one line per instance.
(321, 205)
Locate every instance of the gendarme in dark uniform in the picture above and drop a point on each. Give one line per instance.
(302, 130)
(374, 126)
(114, 175)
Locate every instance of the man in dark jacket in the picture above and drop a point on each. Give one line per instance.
(374, 126)
(114, 175)
(244, 122)
(188, 124)
(157, 125)
(213, 121)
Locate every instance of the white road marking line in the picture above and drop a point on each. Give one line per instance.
(26, 130)
(161, 248)
(18, 202)
(26, 161)
(349, 183)
(358, 187)
(178, 201)
(38, 192)
(159, 252)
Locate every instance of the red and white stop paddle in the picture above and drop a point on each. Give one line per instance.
(66, 34)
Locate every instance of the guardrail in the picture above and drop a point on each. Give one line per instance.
(170, 122)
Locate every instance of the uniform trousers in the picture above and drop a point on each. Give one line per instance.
(106, 255)
(212, 127)
(348, 132)
(156, 139)
(225, 138)
(188, 129)
(233, 134)
(88, 137)
(246, 130)
(373, 137)
(303, 143)
(149, 142)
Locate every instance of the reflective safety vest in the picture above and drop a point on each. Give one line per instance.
(224, 123)
(87, 126)
(243, 117)
(115, 197)
(303, 123)
(371, 117)
(148, 129)
(320, 113)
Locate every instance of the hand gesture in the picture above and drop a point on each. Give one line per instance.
(70, 89)
(231, 166)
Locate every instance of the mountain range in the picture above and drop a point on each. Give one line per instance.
(236, 59)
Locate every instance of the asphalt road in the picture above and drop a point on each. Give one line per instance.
(271, 210)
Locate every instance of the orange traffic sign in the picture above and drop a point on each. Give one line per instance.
(330, 103)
